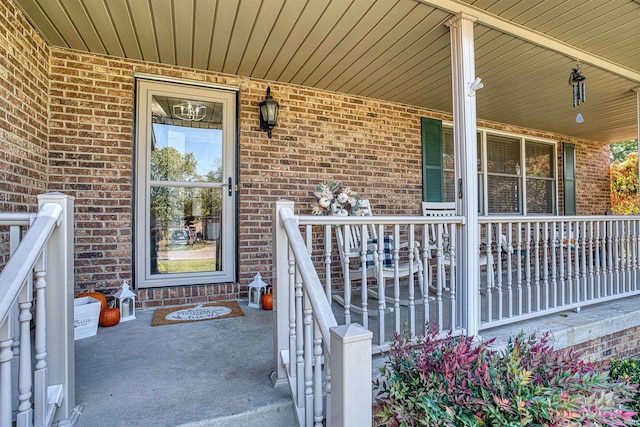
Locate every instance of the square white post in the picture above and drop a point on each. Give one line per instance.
(350, 376)
(280, 290)
(59, 304)
(464, 140)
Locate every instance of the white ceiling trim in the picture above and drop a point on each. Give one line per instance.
(532, 36)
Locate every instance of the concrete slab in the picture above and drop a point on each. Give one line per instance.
(134, 374)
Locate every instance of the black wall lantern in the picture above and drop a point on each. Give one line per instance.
(268, 113)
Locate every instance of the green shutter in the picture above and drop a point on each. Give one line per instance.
(432, 180)
(569, 178)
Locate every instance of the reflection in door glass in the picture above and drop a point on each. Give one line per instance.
(186, 226)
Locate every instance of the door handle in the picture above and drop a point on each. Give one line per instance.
(230, 187)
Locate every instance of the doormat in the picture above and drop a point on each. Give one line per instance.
(196, 313)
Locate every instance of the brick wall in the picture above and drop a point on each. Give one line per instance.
(370, 145)
(619, 345)
(24, 82)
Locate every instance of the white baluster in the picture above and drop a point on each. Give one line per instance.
(396, 276)
(426, 278)
(292, 314)
(41, 376)
(545, 271)
(327, 262)
(308, 362)
(25, 412)
(318, 409)
(452, 277)
(510, 270)
(347, 279)
(299, 343)
(489, 282)
(5, 373)
(364, 299)
(412, 260)
(552, 297)
(381, 290)
(591, 262)
(500, 254)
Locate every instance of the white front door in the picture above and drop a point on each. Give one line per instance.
(185, 169)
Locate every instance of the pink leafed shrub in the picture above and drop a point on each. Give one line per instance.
(453, 381)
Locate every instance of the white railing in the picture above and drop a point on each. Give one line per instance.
(543, 265)
(37, 380)
(328, 367)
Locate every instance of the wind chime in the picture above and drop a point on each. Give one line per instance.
(576, 80)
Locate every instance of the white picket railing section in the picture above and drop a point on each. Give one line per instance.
(328, 367)
(544, 265)
(37, 380)
(528, 267)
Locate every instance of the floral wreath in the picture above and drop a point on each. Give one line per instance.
(334, 199)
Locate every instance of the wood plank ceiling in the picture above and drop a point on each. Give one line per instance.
(396, 50)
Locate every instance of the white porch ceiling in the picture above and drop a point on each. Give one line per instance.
(396, 50)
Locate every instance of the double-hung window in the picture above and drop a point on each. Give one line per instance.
(516, 174)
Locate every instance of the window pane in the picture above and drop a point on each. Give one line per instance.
(503, 155)
(539, 159)
(539, 196)
(479, 145)
(185, 229)
(186, 150)
(448, 155)
(504, 194)
(449, 187)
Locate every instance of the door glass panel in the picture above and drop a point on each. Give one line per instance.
(186, 225)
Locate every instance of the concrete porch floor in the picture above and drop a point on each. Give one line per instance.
(208, 373)
(216, 372)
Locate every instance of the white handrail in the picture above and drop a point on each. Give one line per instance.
(321, 308)
(21, 264)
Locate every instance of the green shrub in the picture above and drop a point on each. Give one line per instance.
(452, 381)
(628, 369)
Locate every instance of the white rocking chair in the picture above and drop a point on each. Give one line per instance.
(350, 248)
(443, 209)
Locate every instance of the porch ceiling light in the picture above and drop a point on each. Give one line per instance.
(576, 80)
(268, 113)
(190, 111)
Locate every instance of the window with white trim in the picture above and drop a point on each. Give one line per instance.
(510, 187)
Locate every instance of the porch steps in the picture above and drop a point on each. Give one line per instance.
(279, 414)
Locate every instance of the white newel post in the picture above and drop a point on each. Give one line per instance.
(350, 376)
(280, 290)
(464, 133)
(59, 304)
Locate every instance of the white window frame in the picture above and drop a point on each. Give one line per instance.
(484, 175)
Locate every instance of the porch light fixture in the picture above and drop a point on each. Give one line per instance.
(257, 289)
(190, 111)
(576, 80)
(126, 302)
(268, 113)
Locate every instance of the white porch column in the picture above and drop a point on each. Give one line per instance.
(280, 290)
(464, 138)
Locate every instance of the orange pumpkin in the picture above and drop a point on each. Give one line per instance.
(267, 300)
(110, 316)
(96, 295)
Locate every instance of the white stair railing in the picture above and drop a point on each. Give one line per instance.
(328, 367)
(38, 395)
